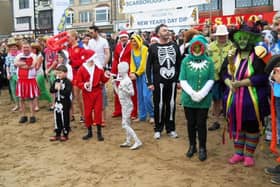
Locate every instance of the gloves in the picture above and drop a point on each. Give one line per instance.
(244, 82)
(206, 88)
(197, 97)
(260, 51)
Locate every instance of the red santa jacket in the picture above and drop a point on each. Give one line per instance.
(99, 78)
(121, 54)
(77, 56)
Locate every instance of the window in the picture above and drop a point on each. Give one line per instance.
(23, 4)
(69, 18)
(45, 19)
(213, 5)
(71, 2)
(85, 17)
(82, 2)
(102, 14)
(23, 20)
(249, 3)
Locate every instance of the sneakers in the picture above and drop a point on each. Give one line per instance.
(215, 126)
(275, 180)
(152, 121)
(272, 171)
(32, 119)
(63, 138)
(173, 134)
(23, 119)
(136, 145)
(15, 108)
(54, 138)
(82, 119)
(125, 144)
(248, 161)
(157, 135)
(235, 159)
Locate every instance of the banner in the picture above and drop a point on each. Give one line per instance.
(132, 6)
(236, 19)
(169, 17)
(59, 15)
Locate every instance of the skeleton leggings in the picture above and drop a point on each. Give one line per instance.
(164, 97)
(62, 118)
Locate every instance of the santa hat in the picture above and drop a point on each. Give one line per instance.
(123, 33)
(155, 38)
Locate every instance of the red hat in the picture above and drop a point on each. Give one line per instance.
(87, 55)
(154, 38)
(123, 33)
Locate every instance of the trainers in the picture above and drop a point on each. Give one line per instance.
(215, 126)
(32, 119)
(235, 159)
(248, 161)
(152, 121)
(125, 144)
(157, 135)
(275, 180)
(54, 138)
(136, 145)
(63, 138)
(82, 119)
(272, 171)
(23, 119)
(173, 134)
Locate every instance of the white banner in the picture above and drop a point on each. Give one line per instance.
(59, 8)
(172, 18)
(132, 6)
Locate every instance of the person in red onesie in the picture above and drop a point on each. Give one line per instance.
(122, 54)
(77, 57)
(90, 79)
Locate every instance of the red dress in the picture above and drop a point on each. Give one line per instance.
(27, 87)
(93, 100)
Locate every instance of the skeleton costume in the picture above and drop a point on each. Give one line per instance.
(162, 70)
(125, 91)
(62, 106)
(197, 79)
(90, 79)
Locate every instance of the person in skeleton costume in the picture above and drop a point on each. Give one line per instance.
(62, 88)
(246, 96)
(197, 79)
(125, 90)
(162, 70)
(90, 79)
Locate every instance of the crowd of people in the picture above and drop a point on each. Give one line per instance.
(233, 71)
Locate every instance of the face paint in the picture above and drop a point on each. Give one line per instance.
(197, 49)
(243, 41)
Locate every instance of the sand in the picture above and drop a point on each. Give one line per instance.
(28, 158)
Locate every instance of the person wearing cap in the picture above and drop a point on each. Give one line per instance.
(162, 70)
(246, 94)
(44, 92)
(62, 88)
(218, 51)
(139, 53)
(11, 70)
(90, 79)
(102, 51)
(122, 53)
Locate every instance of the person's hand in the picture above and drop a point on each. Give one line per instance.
(132, 76)
(8, 76)
(196, 96)
(107, 73)
(179, 86)
(229, 85)
(244, 82)
(151, 87)
(57, 86)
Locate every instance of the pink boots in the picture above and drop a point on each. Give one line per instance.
(248, 161)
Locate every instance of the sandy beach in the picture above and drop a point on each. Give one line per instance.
(28, 158)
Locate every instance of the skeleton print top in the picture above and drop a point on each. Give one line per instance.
(64, 95)
(163, 64)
